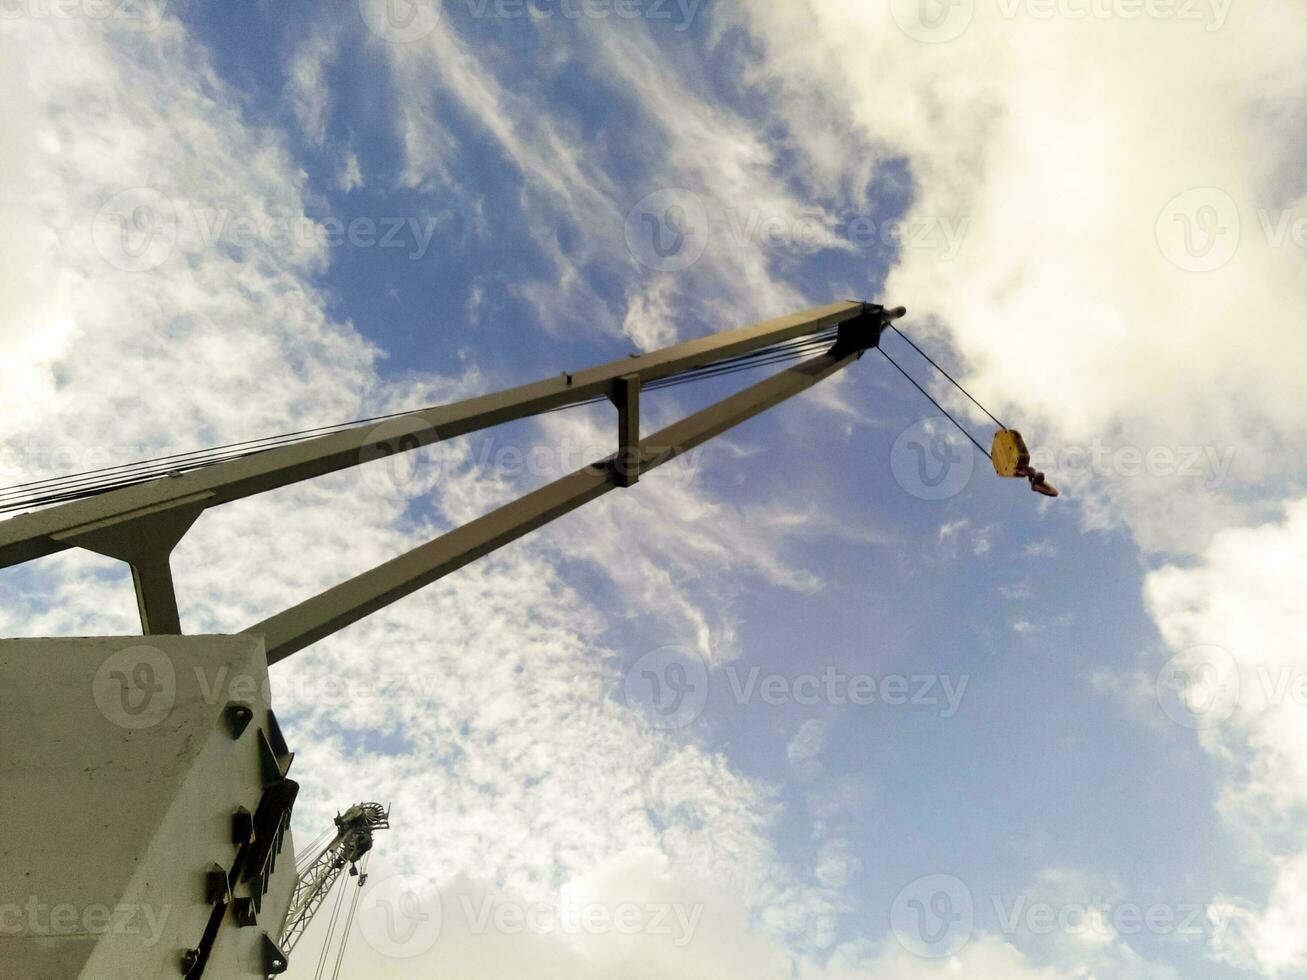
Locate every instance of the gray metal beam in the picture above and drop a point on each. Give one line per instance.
(347, 603)
(145, 541)
(45, 532)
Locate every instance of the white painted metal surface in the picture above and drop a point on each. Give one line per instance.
(121, 776)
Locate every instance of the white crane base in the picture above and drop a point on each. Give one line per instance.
(125, 761)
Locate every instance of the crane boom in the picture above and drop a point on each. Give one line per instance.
(143, 522)
(353, 839)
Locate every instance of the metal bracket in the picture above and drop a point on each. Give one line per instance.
(863, 331)
(237, 717)
(144, 539)
(246, 912)
(217, 890)
(626, 396)
(274, 960)
(242, 826)
(274, 761)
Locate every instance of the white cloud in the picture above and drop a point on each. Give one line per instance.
(1163, 372)
(307, 89)
(980, 539)
(808, 742)
(1018, 590)
(706, 157)
(351, 174)
(1244, 601)
(1061, 141)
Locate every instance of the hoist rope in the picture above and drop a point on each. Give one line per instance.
(945, 411)
(331, 931)
(947, 375)
(89, 483)
(349, 918)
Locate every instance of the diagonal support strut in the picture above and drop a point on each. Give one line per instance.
(347, 603)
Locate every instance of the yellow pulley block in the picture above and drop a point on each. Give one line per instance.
(1010, 455)
(1011, 458)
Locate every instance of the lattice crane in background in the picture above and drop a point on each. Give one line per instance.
(321, 869)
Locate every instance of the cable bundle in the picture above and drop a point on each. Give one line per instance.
(89, 483)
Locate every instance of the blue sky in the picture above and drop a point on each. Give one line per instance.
(1050, 172)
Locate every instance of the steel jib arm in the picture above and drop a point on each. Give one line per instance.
(141, 524)
(46, 532)
(296, 628)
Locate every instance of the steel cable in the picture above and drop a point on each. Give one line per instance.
(89, 483)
